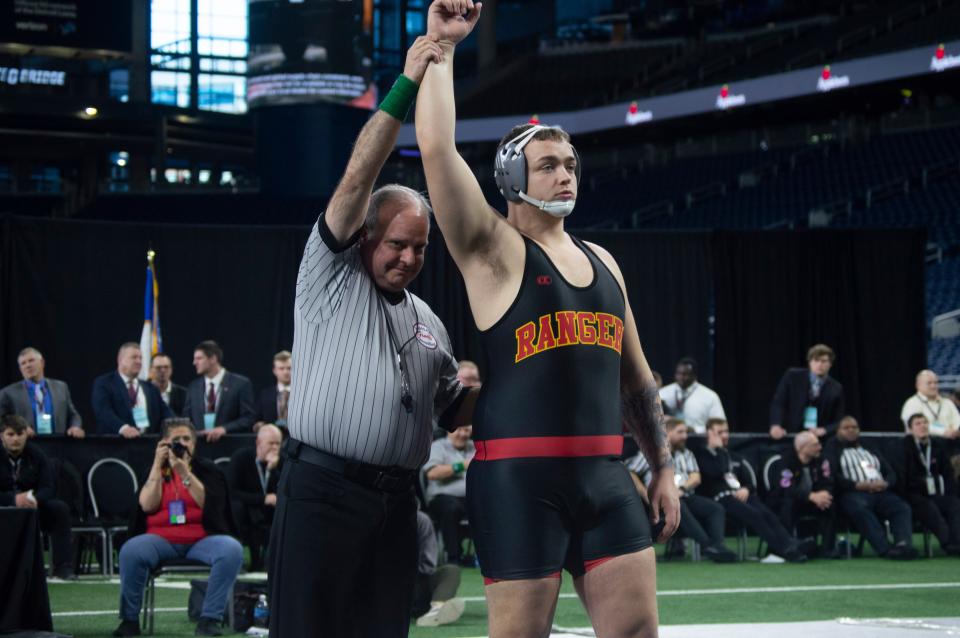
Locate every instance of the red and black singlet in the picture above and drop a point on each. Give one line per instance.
(552, 373)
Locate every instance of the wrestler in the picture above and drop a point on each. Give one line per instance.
(564, 369)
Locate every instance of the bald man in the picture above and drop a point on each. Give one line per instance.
(253, 475)
(801, 483)
(941, 412)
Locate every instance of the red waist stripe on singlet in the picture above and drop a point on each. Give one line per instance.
(533, 446)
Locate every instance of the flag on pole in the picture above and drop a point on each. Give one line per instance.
(150, 340)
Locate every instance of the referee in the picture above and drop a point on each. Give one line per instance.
(373, 366)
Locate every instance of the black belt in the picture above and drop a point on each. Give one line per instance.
(378, 477)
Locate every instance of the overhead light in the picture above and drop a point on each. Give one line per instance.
(91, 111)
(121, 162)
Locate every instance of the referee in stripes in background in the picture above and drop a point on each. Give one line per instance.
(373, 367)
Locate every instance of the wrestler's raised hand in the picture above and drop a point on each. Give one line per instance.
(453, 20)
(423, 51)
(665, 504)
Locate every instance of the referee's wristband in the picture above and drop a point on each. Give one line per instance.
(400, 98)
(458, 467)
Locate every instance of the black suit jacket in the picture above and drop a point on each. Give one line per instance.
(35, 474)
(915, 473)
(235, 411)
(111, 404)
(178, 399)
(244, 479)
(793, 396)
(245, 487)
(267, 405)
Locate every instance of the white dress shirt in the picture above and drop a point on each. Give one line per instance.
(699, 404)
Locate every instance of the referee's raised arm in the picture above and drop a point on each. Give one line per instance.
(348, 206)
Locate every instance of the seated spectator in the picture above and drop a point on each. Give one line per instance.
(930, 485)
(218, 401)
(726, 480)
(469, 374)
(183, 512)
(124, 405)
(864, 481)
(689, 400)
(941, 413)
(447, 487)
(274, 400)
(434, 591)
(44, 403)
(808, 398)
(701, 519)
(26, 481)
(253, 475)
(802, 485)
(161, 375)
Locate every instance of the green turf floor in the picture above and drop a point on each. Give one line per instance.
(675, 576)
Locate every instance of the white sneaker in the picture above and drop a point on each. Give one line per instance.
(773, 559)
(442, 613)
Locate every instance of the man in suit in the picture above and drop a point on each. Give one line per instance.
(124, 405)
(218, 401)
(253, 475)
(161, 375)
(929, 484)
(808, 398)
(273, 402)
(44, 403)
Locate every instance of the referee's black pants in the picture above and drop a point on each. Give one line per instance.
(343, 557)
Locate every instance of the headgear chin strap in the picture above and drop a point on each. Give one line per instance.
(559, 208)
(510, 173)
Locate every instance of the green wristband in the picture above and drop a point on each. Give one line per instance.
(457, 467)
(400, 98)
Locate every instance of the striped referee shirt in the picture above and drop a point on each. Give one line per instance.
(684, 464)
(859, 464)
(346, 393)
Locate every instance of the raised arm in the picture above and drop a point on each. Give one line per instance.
(468, 223)
(348, 206)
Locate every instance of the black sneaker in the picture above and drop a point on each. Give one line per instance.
(719, 554)
(127, 628)
(208, 627)
(901, 552)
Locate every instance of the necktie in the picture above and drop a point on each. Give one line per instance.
(38, 395)
(284, 400)
(815, 388)
(132, 392)
(211, 399)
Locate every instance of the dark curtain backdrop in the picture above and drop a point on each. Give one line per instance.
(860, 292)
(74, 290)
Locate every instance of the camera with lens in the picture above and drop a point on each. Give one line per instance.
(178, 449)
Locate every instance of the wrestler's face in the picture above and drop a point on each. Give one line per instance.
(551, 170)
(393, 252)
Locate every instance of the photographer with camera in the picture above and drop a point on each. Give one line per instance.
(183, 512)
